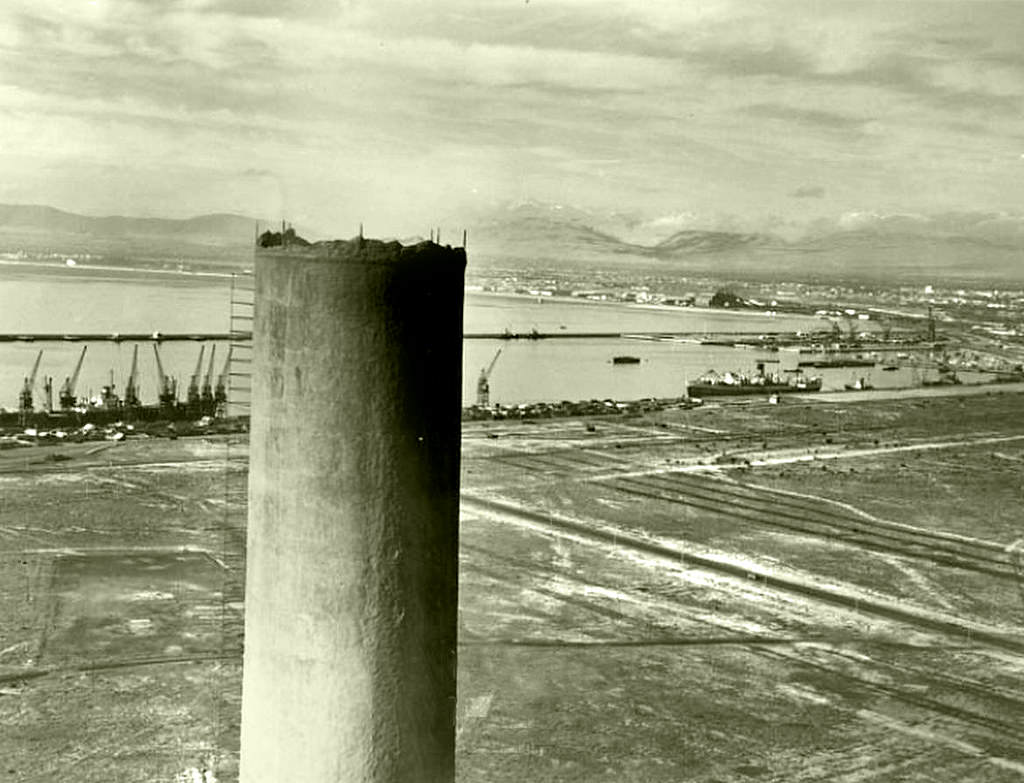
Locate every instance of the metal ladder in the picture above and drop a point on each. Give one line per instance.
(231, 554)
(239, 380)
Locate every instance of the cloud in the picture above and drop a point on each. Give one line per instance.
(808, 191)
(274, 9)
(742, 59)
(395, 103)
(813, 117)
(934, 82)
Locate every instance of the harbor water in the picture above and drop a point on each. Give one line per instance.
(76, 300)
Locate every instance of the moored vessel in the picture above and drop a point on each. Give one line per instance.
(839, 361)
(859, 384)
(714, 384)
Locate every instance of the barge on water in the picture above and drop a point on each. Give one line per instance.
(838, 361)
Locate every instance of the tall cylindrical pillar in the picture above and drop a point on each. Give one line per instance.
(351, 581)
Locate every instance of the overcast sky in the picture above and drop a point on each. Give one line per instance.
(405, 114)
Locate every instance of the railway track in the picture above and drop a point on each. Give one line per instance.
(990, 714)
(803, 516)
(991, 718)
(923, 619)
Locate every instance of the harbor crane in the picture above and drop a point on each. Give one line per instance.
(220, 392)
(206, 392)
(108, 397)
(193, 382)
(886, 330)
(67, 391)
(25, 398)
(131, 386)
(851, 327)
(168, 387)
(48, 394)
(483, 384)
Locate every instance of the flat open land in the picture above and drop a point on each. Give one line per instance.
(815, 590)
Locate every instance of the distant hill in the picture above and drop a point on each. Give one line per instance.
(221, 228)
(908, 256)
(697, 242)
(912, 248)
(532, 231)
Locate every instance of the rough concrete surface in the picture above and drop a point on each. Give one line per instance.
(352, 582)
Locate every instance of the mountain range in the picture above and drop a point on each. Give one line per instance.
(962, 246)
(221, 228)
(854, 245)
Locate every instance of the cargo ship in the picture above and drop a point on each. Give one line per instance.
(713, 384)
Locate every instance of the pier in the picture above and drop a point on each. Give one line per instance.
(766, 340)
(203, 336)
(704, 337)
(117, 337)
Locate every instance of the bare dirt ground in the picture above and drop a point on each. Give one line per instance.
(816, 590)
(809, 591)
(121, 581)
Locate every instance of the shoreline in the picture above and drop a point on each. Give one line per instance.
(643, 307)
(55, 266)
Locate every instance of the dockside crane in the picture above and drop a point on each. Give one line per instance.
(206, 392)
(67, 391)
(483, 383)
(886, 330)
(193, 396)
(108, 397)
(131, 386)
(220, 392)
(851, 328)
(25, 398)
(168, 387)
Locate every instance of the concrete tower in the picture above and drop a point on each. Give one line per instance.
(351, 583)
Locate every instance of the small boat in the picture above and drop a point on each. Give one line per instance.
(944, 379)
(712, 341)
(860, 384)
(890, 367)
(626, 360)
(1008, 376)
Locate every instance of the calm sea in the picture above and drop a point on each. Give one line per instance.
(68, 300)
